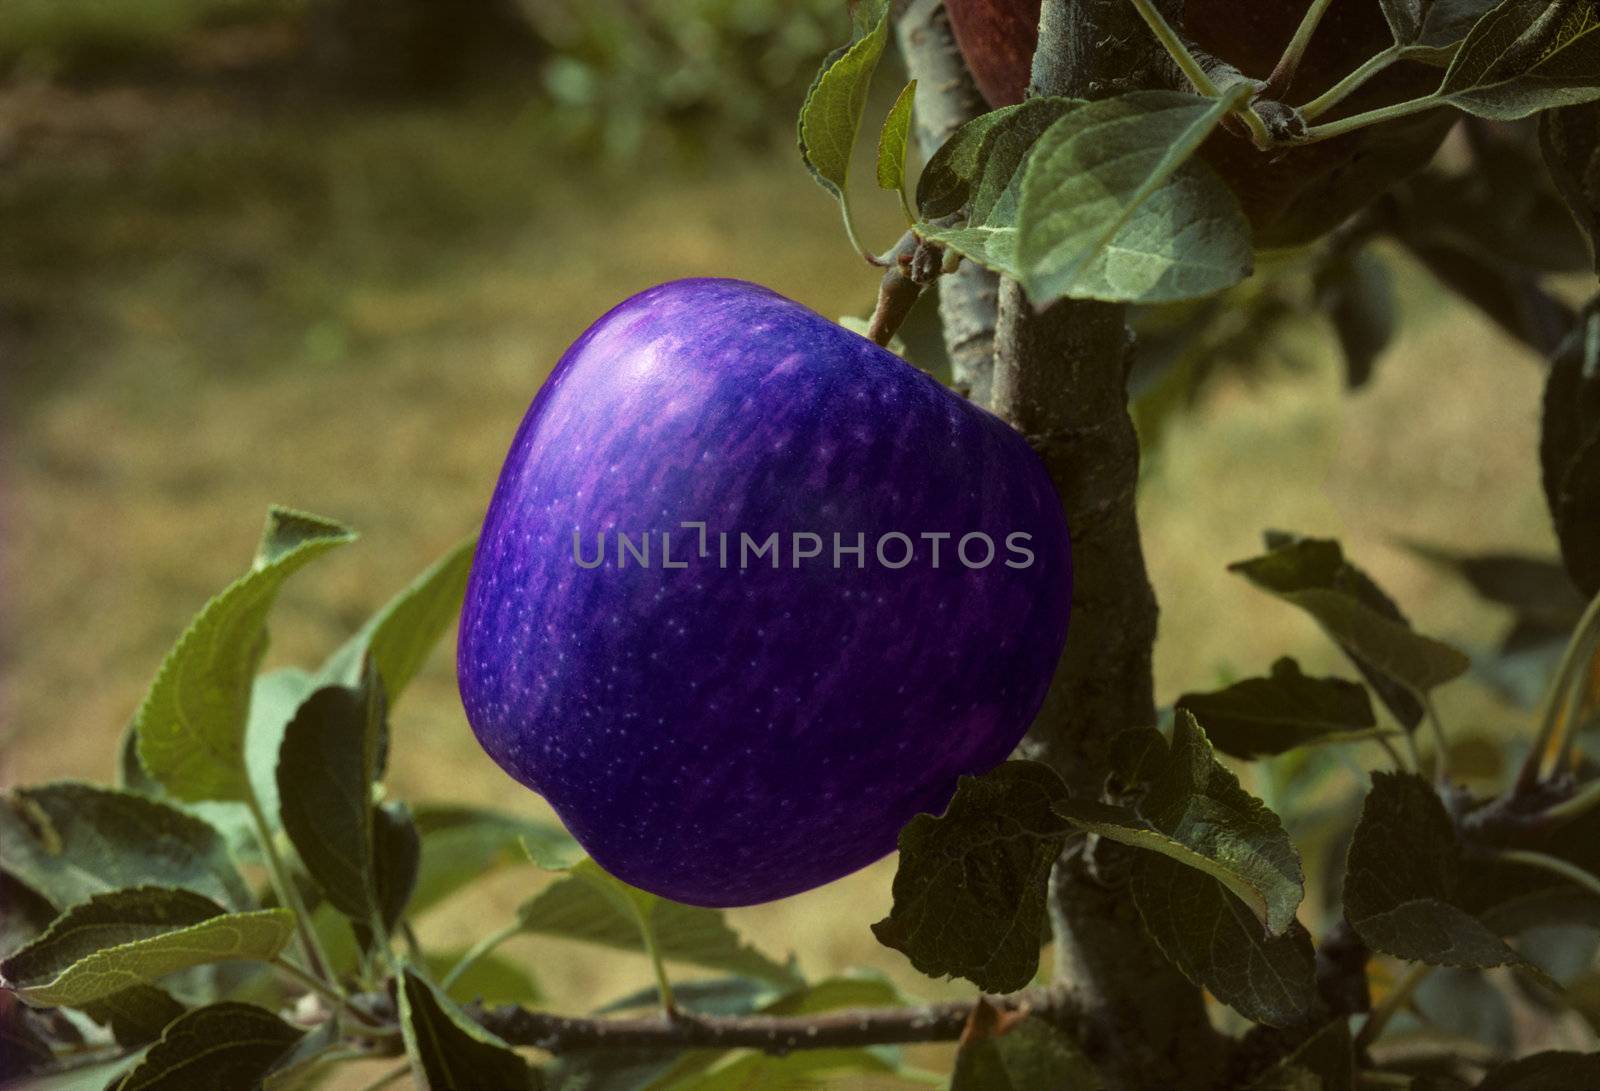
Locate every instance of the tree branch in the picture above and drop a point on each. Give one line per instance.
(772, 1033)
(947, 99)
(1061, 379)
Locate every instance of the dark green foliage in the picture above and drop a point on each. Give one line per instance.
(969, 898)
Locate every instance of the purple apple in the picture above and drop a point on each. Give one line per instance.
(723, 726)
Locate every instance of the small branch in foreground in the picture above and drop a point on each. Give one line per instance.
(1289, 64)
(772, 1033)
(913, 265)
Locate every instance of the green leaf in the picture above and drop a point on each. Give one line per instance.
(1539, 591)
(1312, 574)
(326, 769)
(969, 893)
(831, 115)
(1196, 813)
(219, 1047)
(591, 906)
(1552, 1070)
(892, 139)
(490, 979)
(69, 841)
(136, 1015)
(1265, 716)
(191, 726)
(463, 844)
(1526, 56)
(397, 859)
(1030, 1056)
(1211, 936)
(1324, 1061)
(1570, 140)
(859, 990)
(401, 634)
(131, 937)
(1405, 18)
(1112, 207)
(1401, 877)
(450, 1052)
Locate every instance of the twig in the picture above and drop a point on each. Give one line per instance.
(1289, 64)
(1550, 728)
(1553, 864)
(899, 289)
(1350, 84)
(1392, 1005)
(288, 896)
(772, 1033)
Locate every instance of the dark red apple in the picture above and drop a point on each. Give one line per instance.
(1290, 195)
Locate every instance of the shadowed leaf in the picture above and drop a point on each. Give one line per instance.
(986, 172)
(1526, 56)
(216, 1048)
(1264, 716)
(1211, 936)
(969, 894)
(1196, 813)
(1029, 1056)
(1401, 877)
(326, 769)
(1325, 1061)
(448, 1051)
(463, 844)
(1312, 574)
(69, 841)
(1570, 139)
(136, 1015)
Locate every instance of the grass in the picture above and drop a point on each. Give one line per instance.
(348, 311)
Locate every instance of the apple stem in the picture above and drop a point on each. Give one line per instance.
(1350, 84)
(1283, 75)
(900, 288)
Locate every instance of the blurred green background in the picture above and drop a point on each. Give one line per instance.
(322, 253)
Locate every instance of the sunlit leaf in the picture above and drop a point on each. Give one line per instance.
(1113, 208)
(130, 937)
(191, 726)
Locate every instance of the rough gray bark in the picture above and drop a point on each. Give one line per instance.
(946, 99)
(1060, 379)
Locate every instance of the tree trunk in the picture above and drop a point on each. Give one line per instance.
(946, 99)
(1059, 376)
